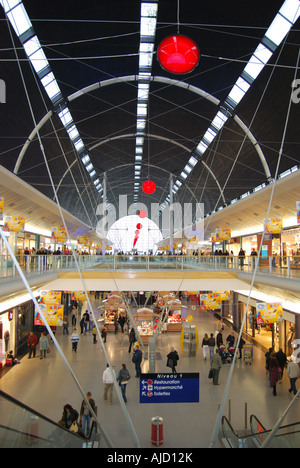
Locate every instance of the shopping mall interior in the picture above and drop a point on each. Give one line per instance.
(149, 203)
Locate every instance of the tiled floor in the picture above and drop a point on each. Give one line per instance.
(47, 386)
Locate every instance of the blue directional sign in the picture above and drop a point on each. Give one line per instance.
(169, 388)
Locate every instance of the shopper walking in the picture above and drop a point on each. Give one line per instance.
(94, 333)
(211, 345)
(44, 345)
(123, 378)
(137, 360)
(281, 358)
(293, 374)
(85, 414)
(32, 344)
(104, 334)
(274, 373)
(205, 346)
(172, 359)
(132, 339)
(66, 325)
(108, 384)
(219, 338)
(74, 340)
(216, 365)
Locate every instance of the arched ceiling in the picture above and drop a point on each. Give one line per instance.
(92, 41)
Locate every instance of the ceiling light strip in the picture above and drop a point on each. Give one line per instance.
(146, 49)
(22, 26)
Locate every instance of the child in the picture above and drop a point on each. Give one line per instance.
(94, 333)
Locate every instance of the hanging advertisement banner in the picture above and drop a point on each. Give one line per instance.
(59, 234)
(298, 211)
(221, 235)
(1, 208)
(53, 314)
(14, 224)
(210, 301)
(274, 226)
(50, 297)
(268, 312)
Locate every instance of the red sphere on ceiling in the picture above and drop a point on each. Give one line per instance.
(142, 214)
(149, 187)
(178, 54)
(139, 226)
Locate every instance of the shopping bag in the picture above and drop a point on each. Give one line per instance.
(211, 374)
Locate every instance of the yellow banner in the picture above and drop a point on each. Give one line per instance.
(14, 224)
(59, 234)
(50, 297)
(53, 314)
(268, 312)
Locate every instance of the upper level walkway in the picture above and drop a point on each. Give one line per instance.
(287, 267)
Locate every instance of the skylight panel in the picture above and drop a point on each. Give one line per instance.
(39, 60)
(79, 145)
(278, 29)
(290, 10)
(96, 182)
(50, 84)
(85, 159)
(183, 175)
(148, 26)
(141, 110)
(202, 147)
(193, 161)
(210, 135)
(73, 133)
(90, 167)
(93, 173)
(32, 46)
(263, 53)
(149, 9)
(19, 19)
(219, 120)
(9, 4)
(143, 91)
(65, 117)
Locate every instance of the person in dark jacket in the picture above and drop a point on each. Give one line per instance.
(219, 338)
(69, 416)
(281, 358)
(132, 339)
(85, 414)
(172, 359)
(137, 360)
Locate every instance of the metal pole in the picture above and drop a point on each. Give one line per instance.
(105, 202)
(37, 306)
(171, 215)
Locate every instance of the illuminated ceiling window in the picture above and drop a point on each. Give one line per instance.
(122, 234)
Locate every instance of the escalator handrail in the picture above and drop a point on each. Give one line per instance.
(224, 419)
(39, 415)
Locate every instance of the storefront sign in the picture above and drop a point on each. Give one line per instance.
(169, 388)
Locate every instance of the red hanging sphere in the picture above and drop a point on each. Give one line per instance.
(139, 226)
(142, 214)
(178, 54)
(149, 187)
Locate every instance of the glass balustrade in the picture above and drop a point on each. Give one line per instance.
(288, 267)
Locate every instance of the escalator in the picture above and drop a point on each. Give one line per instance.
(22, 427)
(286, 437)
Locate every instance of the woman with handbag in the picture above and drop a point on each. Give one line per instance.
(172, 359)
(123, 378)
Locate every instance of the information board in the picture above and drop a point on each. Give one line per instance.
(169, 388)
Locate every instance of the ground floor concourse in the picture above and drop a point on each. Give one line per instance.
(46, 386)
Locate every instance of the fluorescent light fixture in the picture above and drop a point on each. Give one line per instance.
(96, 182)
(19, 19)
(92, 174)
(278, 29)
(141, 124)
(257, 189)
(90, 167)
(139, 150)
(139, 141)
(138, 158)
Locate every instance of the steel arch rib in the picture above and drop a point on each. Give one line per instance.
(160, 79)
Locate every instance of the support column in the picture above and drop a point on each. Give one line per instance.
(105, 203)
(171, 215)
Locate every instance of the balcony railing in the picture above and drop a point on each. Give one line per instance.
(287, 267)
